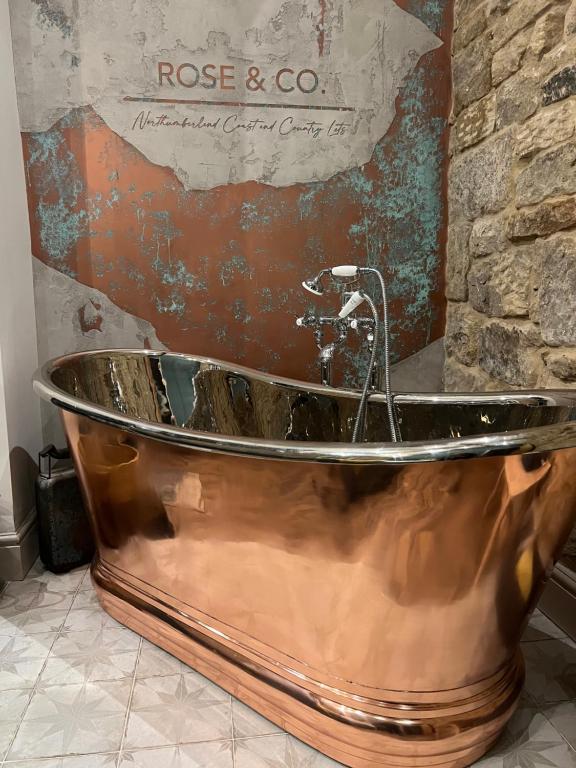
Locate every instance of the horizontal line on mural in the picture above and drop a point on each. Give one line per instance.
(262, 105)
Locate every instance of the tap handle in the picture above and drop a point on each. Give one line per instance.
(308, 321)
(353, 303)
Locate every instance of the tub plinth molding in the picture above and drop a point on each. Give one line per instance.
(451, 735)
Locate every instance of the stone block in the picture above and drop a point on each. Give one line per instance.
(509, 351)
(499, 286)
(481, 179)
(472, 74)
(508, 60)
(550, 174)
(469, 28)
(474, 123)
(497, 8)
(461, 378)
(488, 236)
(549, 126)
(570, 20)
(517, 99)
(562, 364)
(547, 218)
(521, 15)
(458, 261)
(548, 31)
(560, 86)
(463, 327)
(462, 8)
(536, 281)
(558, 291)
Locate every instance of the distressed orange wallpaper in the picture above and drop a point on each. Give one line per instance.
(188, 164)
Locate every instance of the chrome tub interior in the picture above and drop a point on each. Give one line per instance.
(369, 598)
(207, 403)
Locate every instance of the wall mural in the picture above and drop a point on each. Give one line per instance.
(188, 163)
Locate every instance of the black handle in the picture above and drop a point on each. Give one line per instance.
(51, 452)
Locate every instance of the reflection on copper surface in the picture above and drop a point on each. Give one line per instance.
(375, 611)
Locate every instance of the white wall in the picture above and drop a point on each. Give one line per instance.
(20, 432)
(6, 513)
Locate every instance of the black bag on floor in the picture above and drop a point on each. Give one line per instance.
(64, 530)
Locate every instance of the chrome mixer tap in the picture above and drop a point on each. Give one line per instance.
(342, 324)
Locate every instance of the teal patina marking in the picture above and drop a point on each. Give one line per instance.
(240, 312)
(403, 210)
(133, 273)
(114, 197)
(174, 305)
(431, 12)
(266, 300)
(174, 273)
(59, 184)
(61, 224)
(60, 230)
(307, 200)
(235, 265)
(160, 240)
(251, 215)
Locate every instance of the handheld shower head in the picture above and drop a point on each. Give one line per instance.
(314, 285)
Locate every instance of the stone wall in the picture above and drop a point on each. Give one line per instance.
(511, 270)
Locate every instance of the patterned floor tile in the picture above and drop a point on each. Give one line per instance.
(33, 612)
(177, 709)
(178, 719)
(530, 741)
(22, 658)
(86, 613)
(303, 756)
(76, 761)
(263, 752)
(212, 754)
(563, 718)
(86, 583)
(92, 655)
(73, 719)
(12, 707)
(541, 628)
(41, 580)
(550, 670)
(248, 723)
(154, 661)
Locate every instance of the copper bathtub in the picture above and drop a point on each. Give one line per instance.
(367, 598)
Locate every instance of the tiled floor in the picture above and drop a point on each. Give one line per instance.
(77, 690)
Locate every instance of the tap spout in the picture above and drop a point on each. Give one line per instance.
(327, 353)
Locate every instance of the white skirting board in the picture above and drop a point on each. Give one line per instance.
(19, 549)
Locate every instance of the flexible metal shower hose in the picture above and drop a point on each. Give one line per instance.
(360, 417)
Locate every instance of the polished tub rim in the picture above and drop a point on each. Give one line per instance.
(522, 441)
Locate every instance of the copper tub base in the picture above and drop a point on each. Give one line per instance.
(463, 731)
